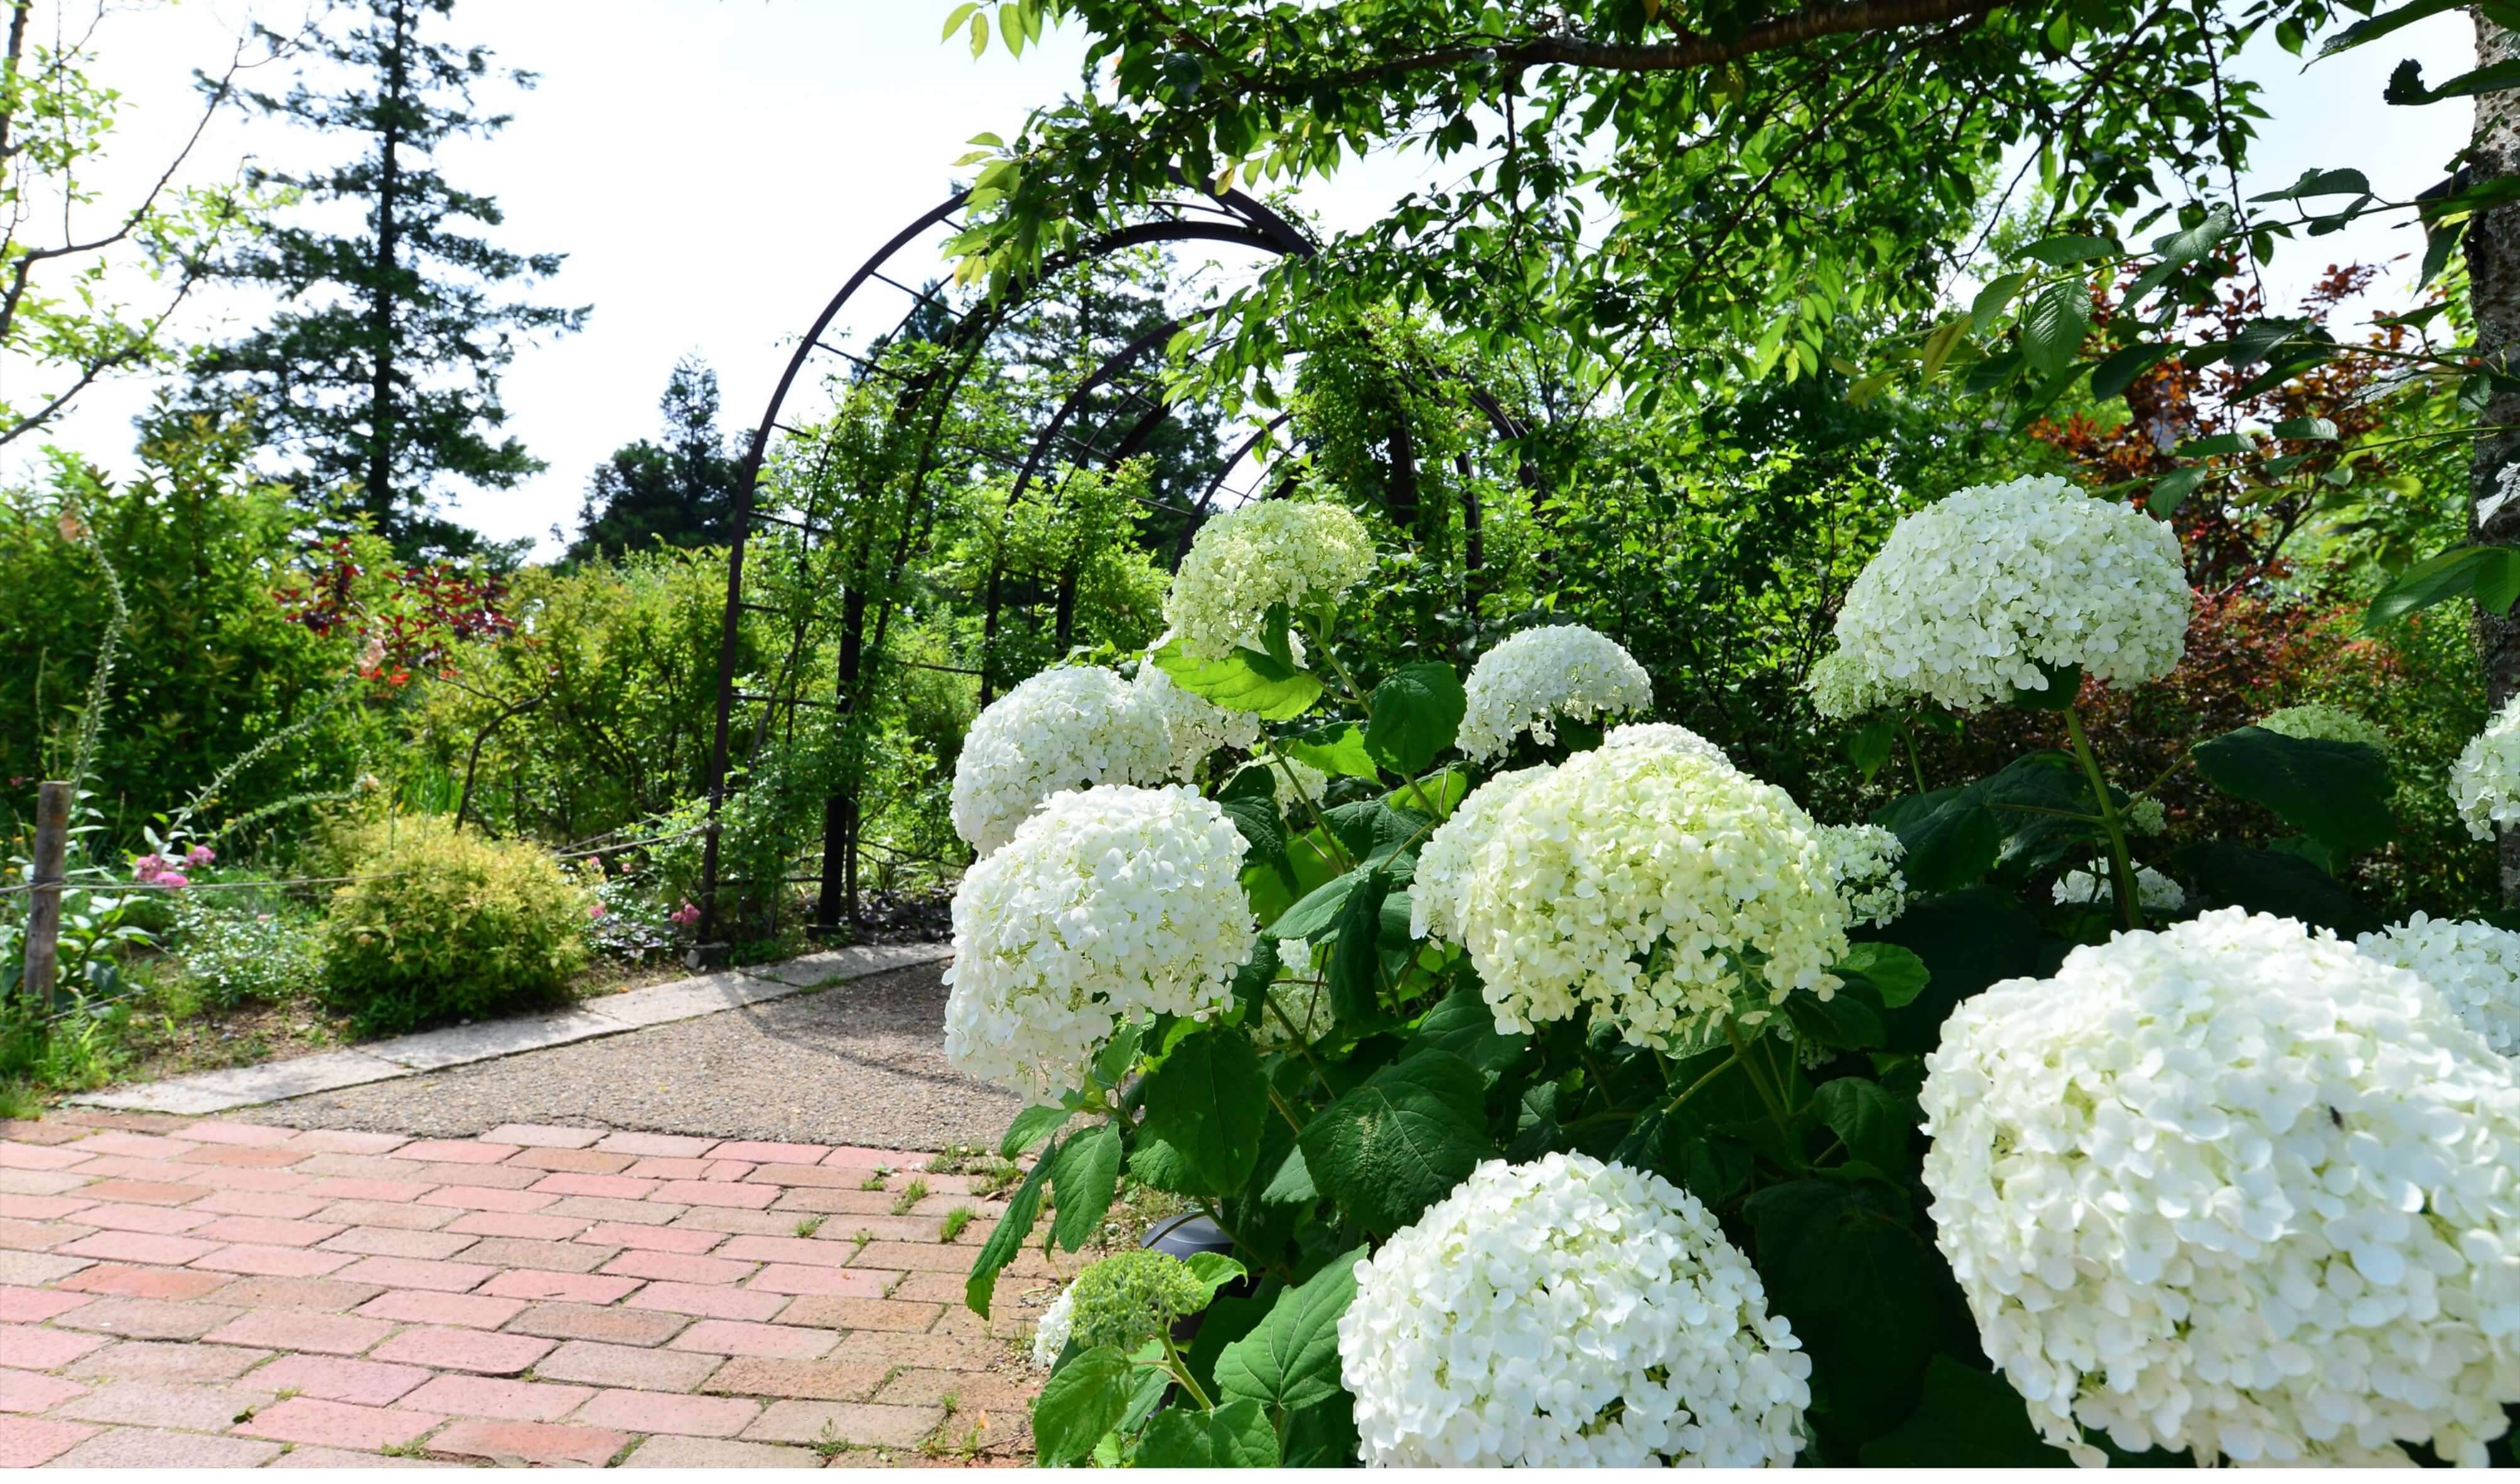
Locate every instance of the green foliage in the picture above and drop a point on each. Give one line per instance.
(449, 925)
(677, 493)
(234, 949)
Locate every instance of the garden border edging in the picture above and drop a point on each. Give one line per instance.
(235, 1086)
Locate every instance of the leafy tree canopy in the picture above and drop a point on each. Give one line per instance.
(679, 491)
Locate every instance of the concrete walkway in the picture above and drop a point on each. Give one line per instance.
(185, 1293)
(458, 1046)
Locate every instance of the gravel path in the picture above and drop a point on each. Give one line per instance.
(859, 1064)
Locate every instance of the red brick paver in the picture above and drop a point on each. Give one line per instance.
(199, 1293)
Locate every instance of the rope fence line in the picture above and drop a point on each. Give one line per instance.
(75, 884)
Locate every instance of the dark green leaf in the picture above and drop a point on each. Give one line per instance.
(1322, 1435)
(1292, 1185)
(1968, 1419)
(1968, 941)
(1861, 1289)
(2066, 252)
(1290, 1360)
(1249, 799)
(1237, 1435)
(1463, 1024)
(2407, 85)
(2117, 371)
(1246, 680)
(2377, 26)
(2312, 429)
(1869, 745)
(1312, 916)
(1895, 973)
(1413, 715)
(1031, 1127)
(1993, 299)
(2314, 183)
(2337, 792)
(2438, 579)
(1399, 1142)
(2055, 324)
(1085, 1178)
(1081, 1401)
(1207, 1100)
(1870, 1120)
(1006, 1239)
(1112, 1063)
(2278, 882)
(1355, 974)
(2172, 490)
(1952, 836)
(2189, 244)
(1849, 1019)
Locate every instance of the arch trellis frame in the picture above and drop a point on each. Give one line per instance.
(865, 605)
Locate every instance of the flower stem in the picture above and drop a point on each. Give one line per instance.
(1180, 1369)
(1766, 1094)
(2120, 864)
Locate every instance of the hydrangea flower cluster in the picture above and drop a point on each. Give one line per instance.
(2233, 1188)
(2484, 781)
(1108, 904)
(1568, 1313)
(1129, 1298)
(1268, 551)
(2146, 815)
(1663, 733)
(2319, 722)
(1971, 596)
(2153, 891)
(1655, 886)
(2476, 966)
(1050, 1335)
(1194, 726)
(1538, 675)
(1444, 861)
(1866, 860)
(1067, 728)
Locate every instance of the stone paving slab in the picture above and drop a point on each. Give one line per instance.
(690, 1351)
(205, 1092)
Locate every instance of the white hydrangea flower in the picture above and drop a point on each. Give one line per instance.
(1662, 734)
(2319, 722)
(2476, 966)
(1541, 674)
(1444, 860)
(1644, 881)
(1267, 552)
(1865, 857)
(1194, 726)
(1109, 905)
(1568, 1313)
(1067, 728)
(2153, 891)
(2484, 781)
(2144, 815)
(1972, 594)
(2237, 1189)
(1050, 1336)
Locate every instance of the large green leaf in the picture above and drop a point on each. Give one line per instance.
(1207, 1100)
(2278, 882)
(1463, 1024)
(1338, 750)
(1967, 940)
(1870, 1122)
(2491, 572)
(1031, 1126)
(1249, 799)
(2054, 324)
(1355, 970)
(1290, 1359)
(1081, 1401)
(1085, 1177)
(1312, 916)
(2336, 792)
(1235, 1434)
(1006, 1239)
(1862, 1288)
(1400, 1142)
(1952, 836)
(1895, 973)
(1968, 1419)
(1246, 680)
(1415, 714)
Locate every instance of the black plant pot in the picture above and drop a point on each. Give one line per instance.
(1182, 1236)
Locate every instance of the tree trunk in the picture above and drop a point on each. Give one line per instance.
(2494, 291)
(384, 292)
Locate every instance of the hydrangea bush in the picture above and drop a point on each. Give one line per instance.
(1571, 1094)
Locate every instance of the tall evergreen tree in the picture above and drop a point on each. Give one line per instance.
(677, 492)
(380, 371)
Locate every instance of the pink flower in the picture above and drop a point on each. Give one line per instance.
(685, 916)
(173, 878)
(594, 912)
(149, 868)
(597, 861)
(201, 855)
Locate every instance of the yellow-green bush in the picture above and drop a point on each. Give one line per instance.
(452, 924)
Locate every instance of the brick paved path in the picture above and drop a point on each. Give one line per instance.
(199, 1293)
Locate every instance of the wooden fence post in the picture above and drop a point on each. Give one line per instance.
(44, 908)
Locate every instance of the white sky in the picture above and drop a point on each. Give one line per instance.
(714, 168)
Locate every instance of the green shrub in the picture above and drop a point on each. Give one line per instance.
(232, 952)
(449, 925)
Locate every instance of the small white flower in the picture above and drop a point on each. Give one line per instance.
(1050, 1336)
(2235, 1190)
(2484, 781)
(1662, 734)
(1109, 905)
(1640, 880)
(1568, 1313)
(2144, 815)
(2476, 966)
(1265, 553)
(1067, 728)
(1538, 675)
(1444, 861)
(1972, 594)
(2319, 722)
(2153, 891)
(1865, 859)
